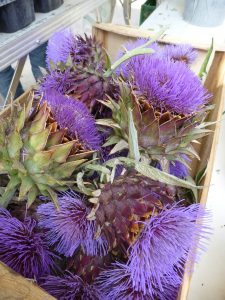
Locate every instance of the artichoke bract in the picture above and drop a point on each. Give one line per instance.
(126, 203)
(80, 71)
(163, 136)
(36, 154)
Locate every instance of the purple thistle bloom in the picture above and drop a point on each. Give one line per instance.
(169, 85)
(126, 67)
(166, 242)
(69, 228)
(58, 81)
(22, 248)
(183, 53)
(116, 283)
(74, 115)
(178, 169)
(60, 45)
(71, 287)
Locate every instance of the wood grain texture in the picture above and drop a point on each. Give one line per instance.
(15, 287)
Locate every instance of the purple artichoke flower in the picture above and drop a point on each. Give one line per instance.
(183, 53)
(74, 115)
(60, 45)
(70, 287)
(58, 81)
(166, 242)
(69, 228)
(126, 67)
(22, 248)
(177, 168)
(169, 85)
(116, 283)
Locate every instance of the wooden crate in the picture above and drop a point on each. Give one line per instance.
(14, 286)
(113, 36)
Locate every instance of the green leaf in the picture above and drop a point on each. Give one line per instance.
(158, 175)
(193, 189)
(9, 191)
(200, 175)
(133, 138)
(203, 68)
(108, 123)
(80, 183)
(121, 145)
(112, 140)
(98, 168)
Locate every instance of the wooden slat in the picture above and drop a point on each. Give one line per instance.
(15, 287)
(135, 32)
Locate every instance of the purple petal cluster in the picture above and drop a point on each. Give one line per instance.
(69, 228)
(183, 53)
(156, 260)
(169, 86)
(125, 68)
(23, 248)
(70, 287)
(178, 169)
(164, 79)
(60, 45)
(116, 283)
(74, 115)
(57, 81)
(157, 257)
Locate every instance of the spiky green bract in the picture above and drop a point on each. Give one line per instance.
(34, 154)
(161, 136)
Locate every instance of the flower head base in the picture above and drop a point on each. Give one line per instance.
(70, 287)
(72, 114)
(22, 248)
(69, 228)
(158, 256)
